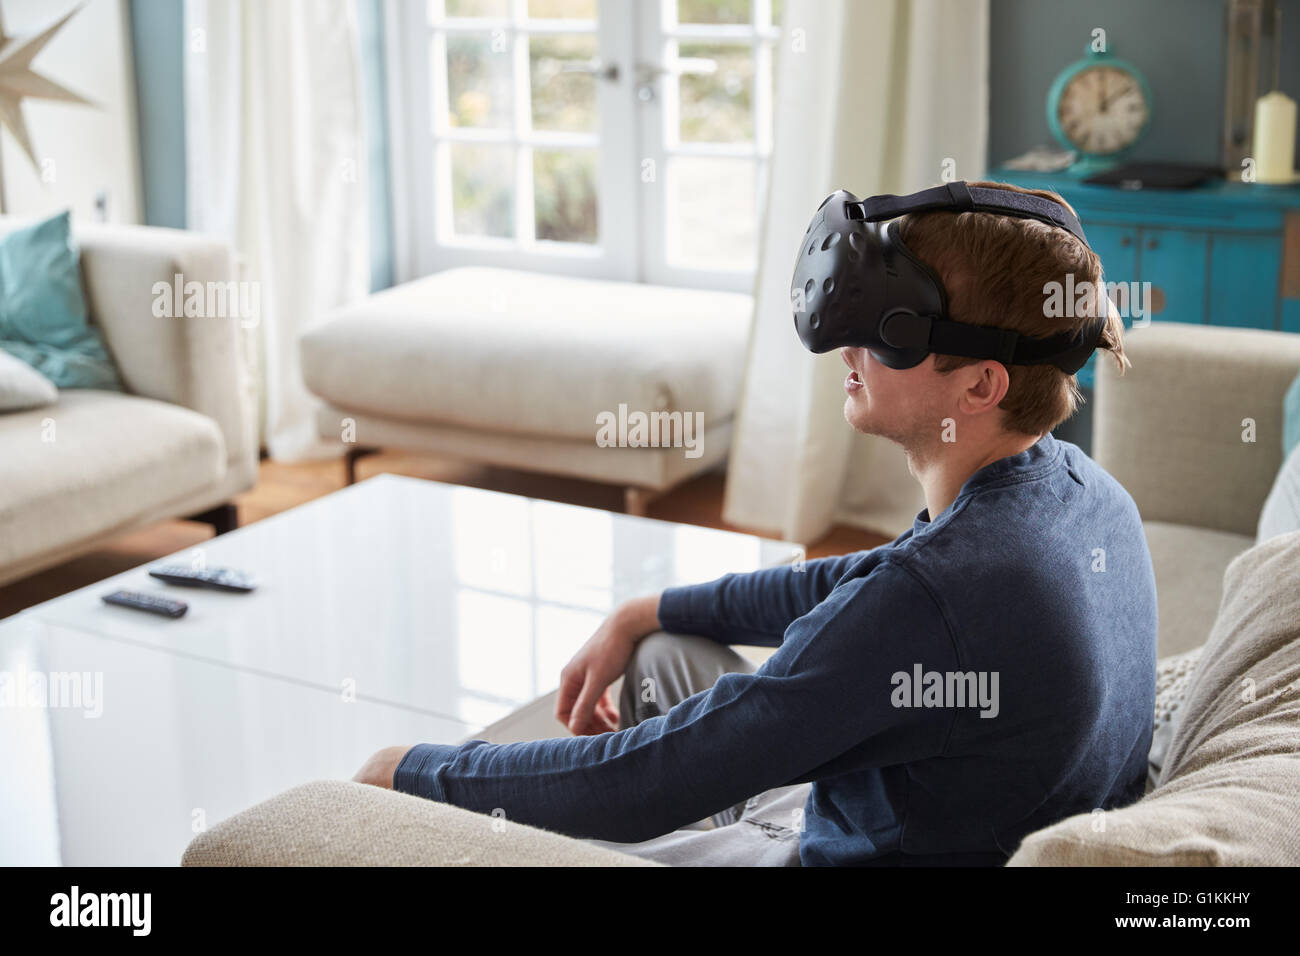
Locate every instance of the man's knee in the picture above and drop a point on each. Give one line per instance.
(658, 675)
(660, 654)
(665, 669)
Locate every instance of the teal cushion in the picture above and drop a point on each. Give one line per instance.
(43, 318)
(1291, 418)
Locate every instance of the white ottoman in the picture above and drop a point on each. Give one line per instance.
(537, 372)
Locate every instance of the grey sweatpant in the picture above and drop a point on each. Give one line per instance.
(764, 830)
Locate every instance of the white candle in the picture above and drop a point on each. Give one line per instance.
(1275, 138)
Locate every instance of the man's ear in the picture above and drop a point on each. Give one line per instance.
(986, 384)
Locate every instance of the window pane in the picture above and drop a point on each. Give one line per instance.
(712, 11)
(469, 8)
(478, 81)
(562, 101)
(712, 212)
(564, 190)
(778, 9)
(482, 187)
(564, 9)
(717, 107)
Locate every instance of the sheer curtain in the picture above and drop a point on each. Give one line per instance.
(276, 165)
(874, 96)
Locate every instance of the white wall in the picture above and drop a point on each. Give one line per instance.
(84, 149)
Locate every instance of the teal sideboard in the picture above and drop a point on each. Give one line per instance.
(1227, 253)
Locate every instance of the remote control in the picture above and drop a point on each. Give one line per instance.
(219, 579)
(153, 603)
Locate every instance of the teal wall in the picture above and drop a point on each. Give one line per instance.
(157, 39)
(1178, 44)
(370, 24)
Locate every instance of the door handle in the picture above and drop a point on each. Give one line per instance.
(647, 74)
(593, 67)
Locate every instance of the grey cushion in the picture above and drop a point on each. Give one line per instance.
(1173, 677)
(1229, 793)
(21, 386)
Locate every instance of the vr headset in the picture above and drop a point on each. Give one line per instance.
(857, 285)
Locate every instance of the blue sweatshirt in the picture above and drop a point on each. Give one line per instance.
(984, 675)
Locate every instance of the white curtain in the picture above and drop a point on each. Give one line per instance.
(276, 166)
(873, 96)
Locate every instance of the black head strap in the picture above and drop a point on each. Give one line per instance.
(906, 329)
(959, 197)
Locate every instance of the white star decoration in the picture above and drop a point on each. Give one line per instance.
(18, 81)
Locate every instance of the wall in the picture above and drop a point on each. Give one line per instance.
(370, 25)
(83, 151)
(157, 32)
(1178, 45)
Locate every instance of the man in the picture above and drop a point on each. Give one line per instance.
(930, 701)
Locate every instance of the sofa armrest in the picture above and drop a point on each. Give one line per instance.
(340, 823)
(199, 362)
(1170, 429)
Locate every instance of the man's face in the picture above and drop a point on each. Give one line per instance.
(907, 406)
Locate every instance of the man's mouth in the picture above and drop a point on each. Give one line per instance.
(852, 383)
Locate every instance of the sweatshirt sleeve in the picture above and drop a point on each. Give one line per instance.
(754, 608)
(827, 692)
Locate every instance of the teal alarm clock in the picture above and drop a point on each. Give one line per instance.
(1099, 107)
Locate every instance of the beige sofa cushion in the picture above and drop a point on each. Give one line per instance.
(338, 823)
(1189, 564)
(95, 461)
(511, 351)
(1229, 793)
(1171, 430)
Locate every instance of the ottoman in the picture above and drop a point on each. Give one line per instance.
(619, 382)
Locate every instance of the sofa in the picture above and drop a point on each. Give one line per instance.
(1225, 781)
(180, 440)
(511, 368)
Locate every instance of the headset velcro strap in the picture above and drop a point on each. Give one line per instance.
(960, 197)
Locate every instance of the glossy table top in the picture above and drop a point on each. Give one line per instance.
(394, 611)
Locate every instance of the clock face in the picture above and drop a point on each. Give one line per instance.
(1102, 110)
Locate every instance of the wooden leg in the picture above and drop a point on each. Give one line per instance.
(223, 518)
(350, 461)
(636, 500)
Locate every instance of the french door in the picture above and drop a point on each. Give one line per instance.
(622, 139)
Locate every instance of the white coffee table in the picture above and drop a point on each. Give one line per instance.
(394, 611)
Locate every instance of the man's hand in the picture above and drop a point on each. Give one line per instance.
(584, 704)
(378, 770)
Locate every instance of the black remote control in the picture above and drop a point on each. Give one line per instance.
(218, 579)
(153, 603)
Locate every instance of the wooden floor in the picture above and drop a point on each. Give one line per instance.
(284, 486)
